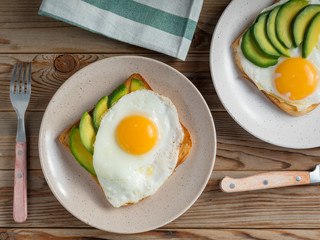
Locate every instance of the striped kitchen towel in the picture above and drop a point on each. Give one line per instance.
(166, 26)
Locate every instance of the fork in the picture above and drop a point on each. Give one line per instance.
(20, 92)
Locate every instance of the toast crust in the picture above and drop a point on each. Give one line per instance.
(284, 106)
(185, 146)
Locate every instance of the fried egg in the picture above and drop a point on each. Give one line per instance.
(137, 146)
(294, 80)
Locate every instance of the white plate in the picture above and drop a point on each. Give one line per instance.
(244, 102)
(73, 186)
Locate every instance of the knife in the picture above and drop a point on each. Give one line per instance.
(270, 180)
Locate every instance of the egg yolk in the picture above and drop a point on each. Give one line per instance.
(296, 78)
(137, 134)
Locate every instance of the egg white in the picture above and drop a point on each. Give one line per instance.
(264, 77)
(127, 178)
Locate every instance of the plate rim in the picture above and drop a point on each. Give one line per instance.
(234, 117)
(42, 154)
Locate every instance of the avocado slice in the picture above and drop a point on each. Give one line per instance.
(259, 32)
(311, 36)
(253, 53)
(301, 21)
(284, 19)
(271, 32)
(79, 152)
(99, 110)
(136, 85)
(118, 93)
(87, 132)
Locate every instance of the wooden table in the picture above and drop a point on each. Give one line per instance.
(57, 50)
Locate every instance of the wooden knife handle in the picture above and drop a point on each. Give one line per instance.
(20, 183)
(264, 181)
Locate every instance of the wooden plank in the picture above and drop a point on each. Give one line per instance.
(291, 207)
(48, 75)
(237, 149)
(42, 205)
(24, 31)
(161, 234)
(8, 125)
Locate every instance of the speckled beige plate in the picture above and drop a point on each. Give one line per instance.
(73, 186)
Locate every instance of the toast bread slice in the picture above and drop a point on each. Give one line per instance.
(280, 103)
(185, 146)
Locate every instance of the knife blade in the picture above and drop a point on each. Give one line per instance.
(270, 180)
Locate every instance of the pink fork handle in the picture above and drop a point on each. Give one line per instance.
(20, 183)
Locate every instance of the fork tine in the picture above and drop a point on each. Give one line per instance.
(13, 78)
(24, 65)
(19, 80)
(29, 80)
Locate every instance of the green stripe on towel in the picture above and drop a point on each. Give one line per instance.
(167, 22)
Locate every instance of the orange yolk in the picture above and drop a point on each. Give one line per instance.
(136, 134)
(296, 78)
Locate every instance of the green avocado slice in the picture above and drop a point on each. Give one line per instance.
(311, 36)
(284, 19)
(301, 21)
(253, 53)
(79, 152)
(87, 132)
(136, 85)
(271, 32)
(98, 112)
(261, 38)
(118, 93)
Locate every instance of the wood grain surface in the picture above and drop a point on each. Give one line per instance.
(162, 234)
(24, 31)
(57, 50)
(275, 208)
